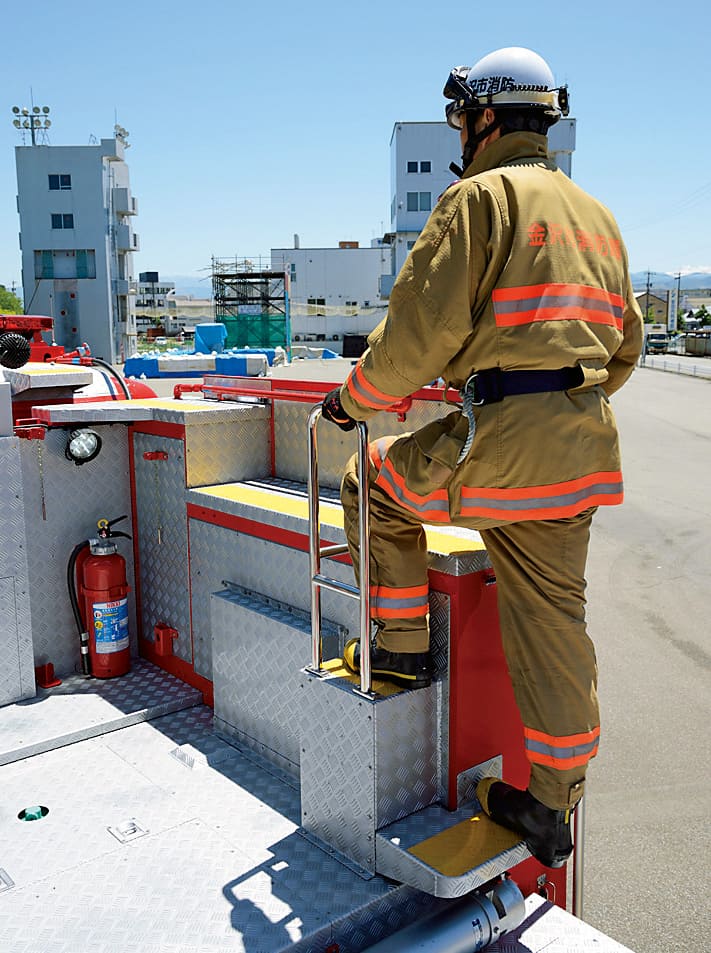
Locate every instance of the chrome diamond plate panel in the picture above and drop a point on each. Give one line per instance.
(338, 768)
(334, 446)
(62, 504)
(364, 761)
(163, 538)
(221, 868)
(83, 707)
(201, 412)
(218, 553)
(406, 753)
(439, 648)
(17, 676)
(394, 859)
(258, 651)
(228, 451)
(468, 780)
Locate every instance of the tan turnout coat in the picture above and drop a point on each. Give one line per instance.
(516, 268)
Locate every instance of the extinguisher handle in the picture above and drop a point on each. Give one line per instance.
(119, 533)
(117, 520)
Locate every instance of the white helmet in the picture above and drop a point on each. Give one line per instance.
(511, 78)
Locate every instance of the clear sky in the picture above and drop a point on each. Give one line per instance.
(252, 121)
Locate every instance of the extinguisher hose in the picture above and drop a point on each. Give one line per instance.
(112, 370)
(81, 628)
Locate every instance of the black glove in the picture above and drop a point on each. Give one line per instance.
(332, 409)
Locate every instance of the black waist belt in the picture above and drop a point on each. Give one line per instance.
(492, 385)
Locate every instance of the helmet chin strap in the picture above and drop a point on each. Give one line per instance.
(473, 140)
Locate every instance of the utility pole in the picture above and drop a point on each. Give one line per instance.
(648, 315)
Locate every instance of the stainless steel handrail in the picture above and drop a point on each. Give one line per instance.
(316, 552)
(578, 858)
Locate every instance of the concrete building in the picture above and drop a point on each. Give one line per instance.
(654, 307)
(333, 291)
(77, 240)
(151, 291)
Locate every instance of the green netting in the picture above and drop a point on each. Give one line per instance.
(255, 330)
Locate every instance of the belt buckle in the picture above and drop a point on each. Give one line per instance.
(477, 401)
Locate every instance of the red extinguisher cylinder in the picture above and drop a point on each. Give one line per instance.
(103, 593)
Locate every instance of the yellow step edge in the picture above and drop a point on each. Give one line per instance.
(331, 514)
(465, 846)
(338, 669)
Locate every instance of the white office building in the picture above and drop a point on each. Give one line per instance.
(77, 240)
(333, 291)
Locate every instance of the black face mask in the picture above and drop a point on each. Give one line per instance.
(473, 140)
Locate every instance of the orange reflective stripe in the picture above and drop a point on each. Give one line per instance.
(406, 602)
(527, 291)
(563, 752)
(551, 501)
(584, 737)
(562, 764)
(432, 507)
(557, 302)
(402, 592)
(363, 392)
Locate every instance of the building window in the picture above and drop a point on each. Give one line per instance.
(316, 306)
(426, 166)
(412, 167)
(60, 182)
(419, 201)
(65, 263)
(410, 246)
(62, 220)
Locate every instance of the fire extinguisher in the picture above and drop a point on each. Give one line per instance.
(98, 592)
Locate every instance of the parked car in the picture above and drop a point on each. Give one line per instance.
(161, 341)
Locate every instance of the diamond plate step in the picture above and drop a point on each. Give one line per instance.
(84, 707)
(447, 854)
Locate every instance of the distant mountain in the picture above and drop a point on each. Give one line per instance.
(191, 285)
(659, 280)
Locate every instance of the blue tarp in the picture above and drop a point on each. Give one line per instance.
(209, 338)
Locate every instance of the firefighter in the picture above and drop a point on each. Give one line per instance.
(517, 294)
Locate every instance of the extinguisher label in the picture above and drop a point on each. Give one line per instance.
(111, 626)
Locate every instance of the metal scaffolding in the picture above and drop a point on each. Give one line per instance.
(252, 302)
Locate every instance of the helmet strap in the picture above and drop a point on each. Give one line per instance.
(473, 139)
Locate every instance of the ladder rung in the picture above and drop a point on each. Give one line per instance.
(334, 550)
(344, 587)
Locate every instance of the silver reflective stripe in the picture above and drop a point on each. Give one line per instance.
(368, 399)
(389, 602)
(557, 301)
(430, 506)
(574, 751)
(541, 502)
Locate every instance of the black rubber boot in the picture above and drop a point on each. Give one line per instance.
(407, 669)
(545, 831)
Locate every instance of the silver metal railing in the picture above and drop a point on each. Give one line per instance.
(578, 858)
(317, 552)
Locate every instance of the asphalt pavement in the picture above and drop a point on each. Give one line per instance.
(648, 804)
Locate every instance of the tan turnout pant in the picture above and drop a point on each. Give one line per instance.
(540, 567)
